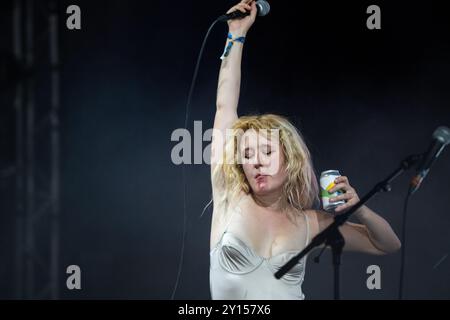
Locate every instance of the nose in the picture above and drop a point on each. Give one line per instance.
(258, 165)
(258, 161)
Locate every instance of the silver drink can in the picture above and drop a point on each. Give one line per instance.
(326, 183)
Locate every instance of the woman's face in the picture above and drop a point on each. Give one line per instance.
(263, 161)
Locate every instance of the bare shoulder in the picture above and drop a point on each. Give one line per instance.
(222, 212)
(318, 220)
(221, 218)
(217, 226)
(313, 215)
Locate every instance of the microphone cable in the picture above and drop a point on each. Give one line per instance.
(184, 183)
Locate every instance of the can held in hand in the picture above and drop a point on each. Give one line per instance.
(326, 183)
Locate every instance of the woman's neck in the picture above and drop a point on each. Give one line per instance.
(272, 201)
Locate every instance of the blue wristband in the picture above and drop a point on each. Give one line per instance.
(230, 45)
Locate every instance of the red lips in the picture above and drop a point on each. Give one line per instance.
(260, 176)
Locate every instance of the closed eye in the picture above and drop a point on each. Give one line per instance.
(247, 153)
(268, 151)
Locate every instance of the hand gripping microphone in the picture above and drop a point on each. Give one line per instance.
(262, 7)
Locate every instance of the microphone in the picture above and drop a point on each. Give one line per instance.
(262, 6)
(441, 137)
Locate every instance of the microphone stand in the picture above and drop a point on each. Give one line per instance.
(332, 237)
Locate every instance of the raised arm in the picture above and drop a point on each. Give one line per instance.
(230, 75)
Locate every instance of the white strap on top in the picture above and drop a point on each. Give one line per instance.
(237, 208)
(307, 228)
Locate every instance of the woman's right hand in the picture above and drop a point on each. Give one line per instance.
(240, 27)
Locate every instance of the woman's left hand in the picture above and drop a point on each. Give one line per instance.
(349, 195)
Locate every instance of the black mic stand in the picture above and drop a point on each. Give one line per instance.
(332, 237)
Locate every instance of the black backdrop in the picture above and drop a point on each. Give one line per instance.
(364, 99)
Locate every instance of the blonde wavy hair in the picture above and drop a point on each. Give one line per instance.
(300, 190)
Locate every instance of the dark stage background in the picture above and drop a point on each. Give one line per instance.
(364, 100)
